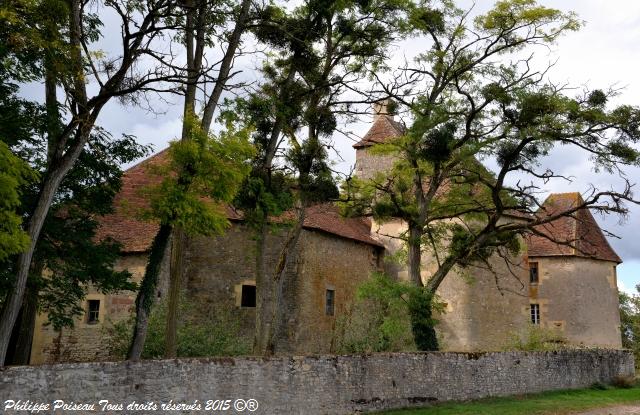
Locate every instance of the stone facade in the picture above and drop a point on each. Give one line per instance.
(483, 310)
(88, 341)
(314, 384)
(578, 297)
(368, 163)
(576, 292)
(217, 268)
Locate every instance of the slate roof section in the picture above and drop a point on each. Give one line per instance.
(137, 235)
(384, 129)
(575, 235)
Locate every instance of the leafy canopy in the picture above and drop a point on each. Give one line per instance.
(215, 167)
(14, 175)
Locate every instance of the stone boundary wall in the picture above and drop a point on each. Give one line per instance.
(309, 385)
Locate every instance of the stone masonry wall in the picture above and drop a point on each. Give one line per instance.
(578, 297)
(86, 342)
(217, 268)
(368, 163)
(314, 384)
(484, 310)
(327, 263)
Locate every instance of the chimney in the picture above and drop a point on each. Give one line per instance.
(381, 109)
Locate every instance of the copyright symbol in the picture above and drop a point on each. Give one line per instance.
(239, 405)
(252, 405)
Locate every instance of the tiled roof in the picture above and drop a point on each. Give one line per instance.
(574, 235)
(383, 129)
(326, 217)
(137, 235)
(123, 225)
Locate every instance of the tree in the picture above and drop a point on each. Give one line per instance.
(66, 248)
(472, 95)
(15, 174)
(630, 322)
(58, 34)
(321, 51)
(216, 166)
(204, 20)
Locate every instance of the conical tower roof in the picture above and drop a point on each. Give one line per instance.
(384, 129)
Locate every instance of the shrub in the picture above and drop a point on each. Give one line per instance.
(599, 386)
(197, 337)
(625, 382)
(379, 320)
(538, 338)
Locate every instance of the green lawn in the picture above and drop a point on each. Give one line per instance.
(563, 402)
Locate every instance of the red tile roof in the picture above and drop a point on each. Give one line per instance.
(383, 129)
(123, 225)
(326, 217)
(574, 235)
(137, 235)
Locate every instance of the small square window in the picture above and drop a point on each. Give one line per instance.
(93, 311)
(248, 296)
(535, 313)
(330, 302)
(533, 273)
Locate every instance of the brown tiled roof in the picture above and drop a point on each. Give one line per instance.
(123, 225)
(383, 129)
(326, 217)
(574, 235)
(137, 235)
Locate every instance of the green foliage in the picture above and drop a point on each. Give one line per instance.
(204, 173)
(318, 48)
(537, 338)
(15, 174)
(29, 33)
(630, 322)
(420, 304)
(385, 317)
(507, 14)
(197, 336)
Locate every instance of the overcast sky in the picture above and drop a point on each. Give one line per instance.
(605, 52)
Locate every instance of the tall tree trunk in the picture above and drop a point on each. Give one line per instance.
(421, 300)
(277, 339)
(22, 351)
(57, 170)
(415, 254)
(146, 294)
(195, 43)
(175, 287)
(13, 302)
(264, 292)
(226, 65)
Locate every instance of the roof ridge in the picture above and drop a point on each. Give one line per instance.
(145, 160)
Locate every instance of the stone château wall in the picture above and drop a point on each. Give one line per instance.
(314, 384)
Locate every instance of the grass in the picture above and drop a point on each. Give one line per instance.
(562, 402)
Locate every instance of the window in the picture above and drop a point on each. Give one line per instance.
(93, 311)
(330, 302)
(535, 313)
(248, 296)
(533, 272)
